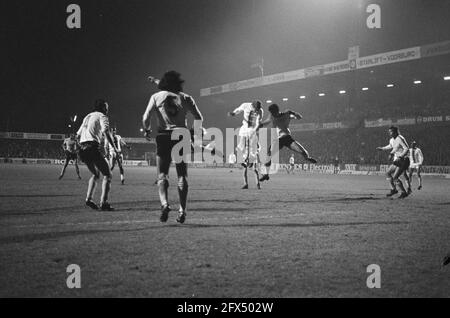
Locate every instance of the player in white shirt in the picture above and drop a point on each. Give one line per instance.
(248, 142)
(116, 157)
(281, 121)
(232, 159)
(70, 147)
(92, 132)
(291, 167)
(170, 106)
(416, 159)
(400, 161)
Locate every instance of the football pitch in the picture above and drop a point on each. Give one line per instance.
(302, 235)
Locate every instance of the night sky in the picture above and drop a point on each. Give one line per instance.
(50, 72)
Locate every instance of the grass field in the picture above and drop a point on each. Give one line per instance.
(300, 236)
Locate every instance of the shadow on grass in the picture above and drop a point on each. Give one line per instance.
(27, 238)
(79, 208)
(293, 225)
(222, 209)
(36, 195)
(300, 200)
(357, 199)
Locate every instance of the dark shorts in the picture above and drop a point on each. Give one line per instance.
(164, 145)
(285, 141)
(402, 163)
(71, 155)
(91, 154)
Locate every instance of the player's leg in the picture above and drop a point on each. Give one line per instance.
(66, 163)
(265, 175)
(242, 142)
(102, 165)
(112, 161)
(419, 176)
(163, 165)
(251, 145)
(245, 177)
(92, 184)
(390, 179)
(410, 174)
(244, 145)
(247, 150)
(408, 178)
(297, 147)
(77, 168)
(253, 149)
(273, 145)
(183, 189)
(399, 171)
(255, 170)
(122, 173)
(163, 161)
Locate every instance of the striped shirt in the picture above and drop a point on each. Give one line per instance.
(252, 117)
(416, 156)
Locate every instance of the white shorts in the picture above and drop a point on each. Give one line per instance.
(248, 144)
(415, 166)
(247, 132)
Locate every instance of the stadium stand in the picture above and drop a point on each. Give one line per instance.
(358, 145)
(51, 149)
(38, 149)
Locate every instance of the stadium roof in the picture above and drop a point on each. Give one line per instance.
(352, 63)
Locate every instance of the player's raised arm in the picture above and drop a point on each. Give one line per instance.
(154, 80)
(237, 111)
(265, 122)
(124, 144)
(295, 114)
(385, 148)
(194, 110)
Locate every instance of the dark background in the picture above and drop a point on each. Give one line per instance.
(50, 72)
